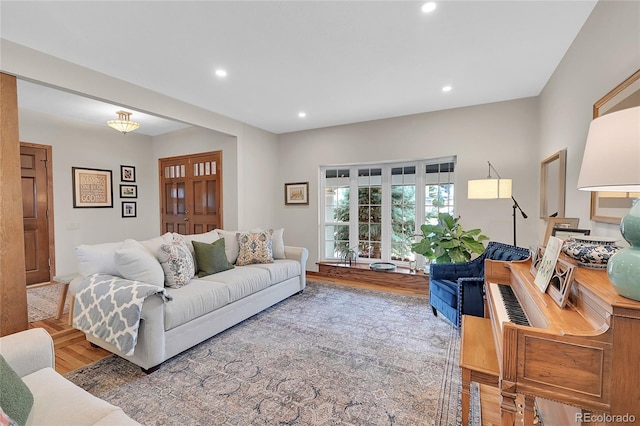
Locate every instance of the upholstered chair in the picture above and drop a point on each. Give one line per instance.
(457, 289)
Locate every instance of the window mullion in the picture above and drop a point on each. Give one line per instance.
(353, 208)
(386, 214)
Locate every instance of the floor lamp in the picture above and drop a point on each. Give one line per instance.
(490, 188)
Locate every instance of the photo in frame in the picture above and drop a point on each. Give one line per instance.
(129, 209)
(127, 173)
(296, 193)
(610, 207)
(566, 233)
(92, 188)
(128, 191)
(559, 222)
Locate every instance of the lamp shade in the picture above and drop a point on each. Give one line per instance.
(611, 160)
(489, 188)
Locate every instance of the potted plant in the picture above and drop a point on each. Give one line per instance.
(447, 242)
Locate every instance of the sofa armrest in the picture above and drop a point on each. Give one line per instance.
(301, 254)
(28, 351)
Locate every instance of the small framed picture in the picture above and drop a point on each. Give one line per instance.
(566, 233)
(127, 173)
(296, 193)
(129, 209)
(128, 191)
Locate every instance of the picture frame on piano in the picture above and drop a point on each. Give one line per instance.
(547, 266)
(559, 287)
(566, 233)
(559, 222)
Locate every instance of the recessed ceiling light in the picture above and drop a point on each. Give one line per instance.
(447, 88)
(429, 7)
(221, 73)
(302, 114)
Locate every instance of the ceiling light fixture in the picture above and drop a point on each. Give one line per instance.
(447, 88)
(302, 114)
(429, 7)
(123, 124)
(221, 73)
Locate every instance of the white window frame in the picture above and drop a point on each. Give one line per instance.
(420, 195)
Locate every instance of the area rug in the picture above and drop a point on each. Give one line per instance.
(42, 302)
(330, 356)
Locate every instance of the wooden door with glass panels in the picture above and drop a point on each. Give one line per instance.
(191, 193)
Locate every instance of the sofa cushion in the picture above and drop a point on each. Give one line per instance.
(177, 263)
(194, 300)
(241, 282)
(97, 258)
(255, 247)
(231, 246)
(210, 258)
(58, 401)
(153, 245)
(134, 262)
(206, 237)
(280, 270)
(16, 399)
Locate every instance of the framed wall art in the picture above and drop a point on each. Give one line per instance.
(128, 191)
(129, 209)
(127, 173)
(92, 188)
(296, 193)
(610, 207)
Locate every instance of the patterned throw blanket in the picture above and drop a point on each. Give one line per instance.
(109, 308)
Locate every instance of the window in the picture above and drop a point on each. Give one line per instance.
(380, 223)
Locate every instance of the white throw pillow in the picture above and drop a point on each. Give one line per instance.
(177, 263)
(134, 262)
(97, 258)
(154, 244)
(278, 244)
(231, 246)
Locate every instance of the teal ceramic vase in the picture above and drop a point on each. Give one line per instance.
(624, 266)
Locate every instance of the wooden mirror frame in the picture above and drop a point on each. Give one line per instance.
(547, 184)
(623, 96)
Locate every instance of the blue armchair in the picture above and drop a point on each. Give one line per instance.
(457, 289)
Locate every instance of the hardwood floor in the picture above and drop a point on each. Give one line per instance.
(72, 349)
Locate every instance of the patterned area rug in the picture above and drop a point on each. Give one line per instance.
(330, 356)
(42, 302)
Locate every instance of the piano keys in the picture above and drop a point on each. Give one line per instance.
(583, 355)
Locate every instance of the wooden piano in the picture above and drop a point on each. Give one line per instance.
(583, 355)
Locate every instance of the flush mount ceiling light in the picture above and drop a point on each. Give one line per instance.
(221, 73)
(123, 124)
(429, 7)
(302, 114)
(447, 88)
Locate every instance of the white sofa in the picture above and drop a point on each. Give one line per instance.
(205, 306)
(56, 401)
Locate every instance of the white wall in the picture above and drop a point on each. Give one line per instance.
(504, 133)
(77, 144)
(605, 53)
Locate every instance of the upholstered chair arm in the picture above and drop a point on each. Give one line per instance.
(470, 297)
(28, 351)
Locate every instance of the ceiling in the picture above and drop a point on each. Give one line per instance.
(338, 61)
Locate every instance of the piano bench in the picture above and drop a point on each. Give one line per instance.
(478, 359)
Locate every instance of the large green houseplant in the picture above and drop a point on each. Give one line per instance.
(447, 242)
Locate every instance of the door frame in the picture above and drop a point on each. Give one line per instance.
(50, 221)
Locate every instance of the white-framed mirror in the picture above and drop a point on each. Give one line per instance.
(552, 185)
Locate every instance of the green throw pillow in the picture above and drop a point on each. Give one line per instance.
(16, 399)
(211, 258)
